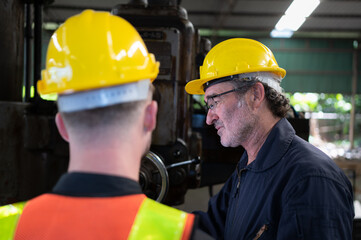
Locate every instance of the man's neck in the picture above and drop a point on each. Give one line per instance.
(121, 160)
(256, 141)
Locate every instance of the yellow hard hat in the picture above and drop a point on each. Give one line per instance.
(95, 50)
(232, 57)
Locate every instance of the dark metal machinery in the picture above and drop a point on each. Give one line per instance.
(33, 155)
(172, 38)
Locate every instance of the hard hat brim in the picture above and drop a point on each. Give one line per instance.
(195, 87)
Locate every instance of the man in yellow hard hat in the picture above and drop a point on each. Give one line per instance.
(102, 72)
(283, 187)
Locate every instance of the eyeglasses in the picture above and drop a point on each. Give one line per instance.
(212, 104)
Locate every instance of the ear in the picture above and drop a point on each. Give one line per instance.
(258, 95)
(150, 119)
(61, 127)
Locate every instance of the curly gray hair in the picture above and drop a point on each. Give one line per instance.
(277, 101)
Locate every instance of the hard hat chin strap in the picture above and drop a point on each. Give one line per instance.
(103, 97)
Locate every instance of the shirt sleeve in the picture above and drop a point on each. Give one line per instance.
(317, 208)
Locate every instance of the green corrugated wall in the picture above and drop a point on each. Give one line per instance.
(312, 65)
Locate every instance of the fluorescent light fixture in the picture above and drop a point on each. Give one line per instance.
(294, 17)
(281, 34)
(302, 8)
(290, 22)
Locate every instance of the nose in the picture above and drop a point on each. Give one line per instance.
(211, 117)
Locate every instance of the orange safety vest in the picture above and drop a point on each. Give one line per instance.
(52, 216)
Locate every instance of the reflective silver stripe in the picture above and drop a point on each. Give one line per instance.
(104, 97)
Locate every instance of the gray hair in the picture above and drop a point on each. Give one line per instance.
(277, 101)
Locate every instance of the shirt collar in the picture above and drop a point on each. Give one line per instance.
(95, 185)
(273, 149)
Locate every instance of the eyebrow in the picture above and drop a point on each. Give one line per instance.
(211, 96)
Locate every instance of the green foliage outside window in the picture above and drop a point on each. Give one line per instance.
(321, 102)
(338, 104)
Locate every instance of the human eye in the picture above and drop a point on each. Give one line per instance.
(211, 104)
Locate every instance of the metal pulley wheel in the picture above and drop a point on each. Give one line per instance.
(153, 177)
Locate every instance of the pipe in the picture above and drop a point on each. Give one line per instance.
(28, 53)
(12, 50)
(138, 2)
(163, 3)
(353, 102)
(38, 21)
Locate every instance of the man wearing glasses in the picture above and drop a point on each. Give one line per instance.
(283, 187)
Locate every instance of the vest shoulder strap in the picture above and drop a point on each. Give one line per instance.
(159, 221)
(9, 216)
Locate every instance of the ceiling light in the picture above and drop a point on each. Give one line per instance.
(302, 8)
(290, 22)
(294, 17)
(281, 34)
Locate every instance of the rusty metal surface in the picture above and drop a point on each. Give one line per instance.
(155, 24)
(11, 49)
(165, 132)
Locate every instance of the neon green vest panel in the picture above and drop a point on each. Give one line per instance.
(9, 216)
(158, 221)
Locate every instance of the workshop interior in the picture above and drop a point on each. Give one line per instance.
(321, 56)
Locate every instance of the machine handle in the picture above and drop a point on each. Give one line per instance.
(188, 162)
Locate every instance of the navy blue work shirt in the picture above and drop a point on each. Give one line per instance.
(292, 190)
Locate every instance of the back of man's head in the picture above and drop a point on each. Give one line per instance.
(97, 122)
(101, 70)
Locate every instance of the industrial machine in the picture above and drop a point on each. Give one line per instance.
(33, 155)
(173, 165)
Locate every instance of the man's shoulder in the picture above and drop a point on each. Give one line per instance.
(305, 160)
(304, 153)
